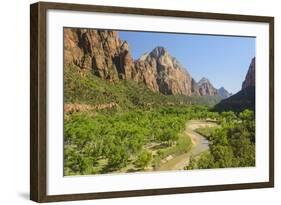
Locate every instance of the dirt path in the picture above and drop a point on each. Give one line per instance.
(200, 144)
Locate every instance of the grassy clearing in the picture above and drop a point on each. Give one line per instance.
(181, 146)
(205, 131)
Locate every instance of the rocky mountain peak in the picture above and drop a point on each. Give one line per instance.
(206, 88)
(204, 81)
(222, 89)
(158, 51)
(223, 92)
(100, 51)
(250, 78)
(161, 72)
(124, 46)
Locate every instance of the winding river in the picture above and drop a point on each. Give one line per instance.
(200, 144)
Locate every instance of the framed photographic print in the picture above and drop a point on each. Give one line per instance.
(134, 102)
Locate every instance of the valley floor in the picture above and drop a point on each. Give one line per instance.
(158, 140)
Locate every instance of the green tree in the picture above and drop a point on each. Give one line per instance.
(118, 157)
(143, 159)
(223, 156)
(192, 164)
(168, 136)
(228, 116)
(206, 161)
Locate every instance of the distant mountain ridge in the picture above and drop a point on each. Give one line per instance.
(104, 54)
(223, 92)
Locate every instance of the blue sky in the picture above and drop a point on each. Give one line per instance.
(224, 60)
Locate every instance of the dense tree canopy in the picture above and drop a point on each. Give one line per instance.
(232, 143)
(117, 140)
